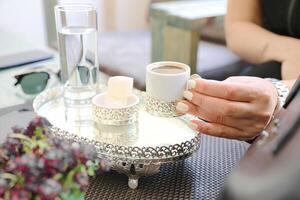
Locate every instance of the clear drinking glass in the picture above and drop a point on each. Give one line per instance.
(76, 26)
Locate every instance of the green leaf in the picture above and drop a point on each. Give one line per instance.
(76, 195)
(82, 168)
(57, 176)
(13, 179)
(69, 181)
(9, 176)
(91, 171)
(38, 131)
(6, 195)
(19, 136)
(20, 179)
(37, 198)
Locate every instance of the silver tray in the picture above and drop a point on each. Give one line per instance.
(136, 150)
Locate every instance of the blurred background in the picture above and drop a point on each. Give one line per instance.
(33, 20)
(132, 34)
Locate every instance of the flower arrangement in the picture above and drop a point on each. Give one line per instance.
(34, 166)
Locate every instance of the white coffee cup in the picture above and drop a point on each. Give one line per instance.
(166, 81)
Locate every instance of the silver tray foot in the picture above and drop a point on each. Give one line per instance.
(135, 171)
(133, 183)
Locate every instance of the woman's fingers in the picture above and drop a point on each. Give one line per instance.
(187, 107)
(222, 89)
(219, 130)
(208, 115)
(220, 108)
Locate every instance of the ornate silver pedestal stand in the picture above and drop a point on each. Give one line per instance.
(135, 150)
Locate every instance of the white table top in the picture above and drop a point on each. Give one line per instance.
(12, 95)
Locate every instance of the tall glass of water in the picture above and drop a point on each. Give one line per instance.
(76, 26)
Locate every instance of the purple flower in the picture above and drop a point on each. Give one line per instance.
(19, 193)
(49, 189)
(3, 186)
(13, 147)
(35, 123)
(17, 129)
(82, 179)
(41, 169)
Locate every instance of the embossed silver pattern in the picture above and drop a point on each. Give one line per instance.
(160, 108)
(160, 154)
(115, 116)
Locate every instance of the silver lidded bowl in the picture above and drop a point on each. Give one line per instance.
(103, 114)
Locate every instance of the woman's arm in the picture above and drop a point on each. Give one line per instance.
(246, 37)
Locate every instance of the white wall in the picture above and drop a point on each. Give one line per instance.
(119, 15)
(132, 14)
(125, 14)
(24, 18)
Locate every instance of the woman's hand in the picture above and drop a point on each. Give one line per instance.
(237, 108)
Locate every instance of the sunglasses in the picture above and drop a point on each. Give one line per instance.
(35, 81)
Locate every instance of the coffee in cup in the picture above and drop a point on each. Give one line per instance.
(168, 70)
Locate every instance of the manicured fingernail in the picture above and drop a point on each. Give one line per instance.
(193, 126)
(188, 95)
(191, 84)
(195, 76)
(182, 107)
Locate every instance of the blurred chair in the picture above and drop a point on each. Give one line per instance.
(176, 28)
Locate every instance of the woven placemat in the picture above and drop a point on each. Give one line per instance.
(201, 176)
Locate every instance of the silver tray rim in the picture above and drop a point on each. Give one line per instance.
(134, 154)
